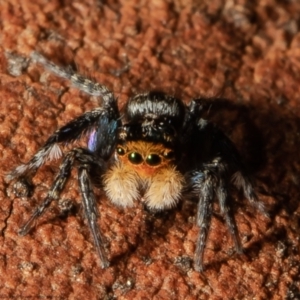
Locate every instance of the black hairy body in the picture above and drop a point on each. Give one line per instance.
(159, 151)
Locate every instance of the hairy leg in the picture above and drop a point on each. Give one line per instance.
(91, 213)
(86, 161)
(69, 133)
(82, 83)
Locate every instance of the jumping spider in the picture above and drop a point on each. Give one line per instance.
(157, 151)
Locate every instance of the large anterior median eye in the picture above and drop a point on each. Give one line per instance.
(135, 158)
(153, 160)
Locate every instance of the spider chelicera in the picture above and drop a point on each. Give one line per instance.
(158, 151)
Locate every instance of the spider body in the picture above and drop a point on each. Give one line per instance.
(157, 151)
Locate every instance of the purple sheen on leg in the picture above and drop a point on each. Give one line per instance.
(92, 141)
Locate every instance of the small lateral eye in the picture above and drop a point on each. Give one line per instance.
(120, 151)
(135, 158)
(153, 160)
(169, 155)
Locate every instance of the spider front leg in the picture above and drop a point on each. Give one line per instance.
(86, 161)
(54, 192)
(207, 183)
(91, 213)
(214, 163)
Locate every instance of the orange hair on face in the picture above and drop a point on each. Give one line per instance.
(160, 183)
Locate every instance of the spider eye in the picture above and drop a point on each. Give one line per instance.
(169, 155)
(135, 158)
(153, 160)
(120, 151)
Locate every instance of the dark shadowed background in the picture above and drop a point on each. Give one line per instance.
(245, 54)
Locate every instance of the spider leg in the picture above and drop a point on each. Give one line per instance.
(213, 162)
(212, 142)
(103, 120)
(91, 213)
(207, 183)
(101, 123)
(238, 172)
(54, 192)
(243, 182)
(83, 83)
(203, 184)
(226, 210)
(86, 161)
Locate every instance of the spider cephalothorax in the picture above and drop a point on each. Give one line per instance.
(157, 151)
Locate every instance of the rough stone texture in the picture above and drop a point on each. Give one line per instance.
(245, 54)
